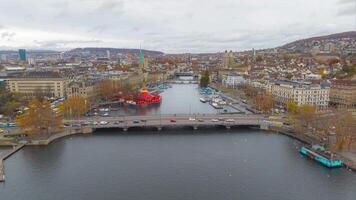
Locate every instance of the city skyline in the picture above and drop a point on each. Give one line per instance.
(60, 25)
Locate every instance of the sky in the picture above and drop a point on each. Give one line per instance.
(171, 26)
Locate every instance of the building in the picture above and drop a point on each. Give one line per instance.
(228, 60)
(86, 89)
(22, 54)
(51, 84)
(233, 80)
(300, 92)
(108, 54)
(343, 93)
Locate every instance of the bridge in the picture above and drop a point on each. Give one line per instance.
(161, 121)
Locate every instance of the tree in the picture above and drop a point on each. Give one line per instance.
(292, 107)
(74, 106)
(39, 118)
(205, 79)
(344, 127)
(264, 102)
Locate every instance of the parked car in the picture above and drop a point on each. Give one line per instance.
(103, 122)
(105, 114)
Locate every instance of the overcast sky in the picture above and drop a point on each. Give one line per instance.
(172, 26)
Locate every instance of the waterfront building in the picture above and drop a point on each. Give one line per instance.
(22, 54)
(343, 93)
(300, 92)
(86, 89)
(52, 84)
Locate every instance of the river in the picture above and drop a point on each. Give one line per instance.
(173, 164)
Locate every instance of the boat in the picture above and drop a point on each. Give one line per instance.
(202, 100)
(216, 106)
(319, 154)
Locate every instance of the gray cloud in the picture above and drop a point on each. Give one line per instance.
(171, 25)
(7, 35)
(62, 43)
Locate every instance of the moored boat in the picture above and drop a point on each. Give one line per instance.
(319, 154)
(202, 100)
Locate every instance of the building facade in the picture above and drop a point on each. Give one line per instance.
(85, 89)
(32, 83)
(22, 54)
(300, 92)
(233, 80)
(343, 93)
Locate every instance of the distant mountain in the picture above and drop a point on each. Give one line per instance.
(338, 41)
(93, 50)
(28, 51)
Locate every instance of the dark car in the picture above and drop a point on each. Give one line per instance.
(136, 121)
(173, 120)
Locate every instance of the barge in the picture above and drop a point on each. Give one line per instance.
(319, 154)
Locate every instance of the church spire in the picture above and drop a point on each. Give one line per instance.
(141, 57)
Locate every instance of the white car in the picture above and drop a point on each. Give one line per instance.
(214, 120)
(103, 122)
(230, 120)
(191, 119)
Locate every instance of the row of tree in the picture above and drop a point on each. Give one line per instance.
(338, 123)
(41, 118)
(260, 99)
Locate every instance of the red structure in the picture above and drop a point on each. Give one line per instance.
(146, 98)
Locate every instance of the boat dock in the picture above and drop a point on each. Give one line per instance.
(4, 157)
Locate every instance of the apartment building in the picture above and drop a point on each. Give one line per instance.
(300, 92)
(343, 93)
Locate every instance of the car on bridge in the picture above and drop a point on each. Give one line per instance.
(200, 120)
(104, 123)
(230, 120)
(173, 120)
(191, 119)
(214, 120)
(136, 121)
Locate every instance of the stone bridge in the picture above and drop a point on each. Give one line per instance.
(178, 120)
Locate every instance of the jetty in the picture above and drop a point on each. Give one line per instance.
(5, 156)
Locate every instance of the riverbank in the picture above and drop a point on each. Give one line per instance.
(349, 159)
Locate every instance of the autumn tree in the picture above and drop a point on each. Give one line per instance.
(39, 118)
(264, 102)
(74, 106)
(291, 107)
(344, 127)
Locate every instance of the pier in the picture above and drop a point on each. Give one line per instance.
(4, 157)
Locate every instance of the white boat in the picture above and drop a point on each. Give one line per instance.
(202, 100)
(216, 106)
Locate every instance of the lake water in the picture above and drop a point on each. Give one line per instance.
(173, 164)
